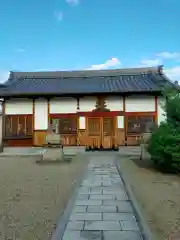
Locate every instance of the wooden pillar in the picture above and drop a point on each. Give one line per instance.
(156, 110)
(125, 120)
(3, 128)
(49, 118)
(33, 122)
(115, 132)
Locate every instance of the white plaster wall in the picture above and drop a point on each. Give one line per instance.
(120, 121)
(63, 105)
(114, 103)
(87, 104)
(41, 114)
(140, 104)
(82, 123)
(18, 106)
(161, 115)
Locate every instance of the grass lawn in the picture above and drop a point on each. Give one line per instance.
(32, 196)
(158, 195)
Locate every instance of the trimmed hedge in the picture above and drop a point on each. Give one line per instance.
(164, 144)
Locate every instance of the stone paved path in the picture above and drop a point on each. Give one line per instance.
(102, 209)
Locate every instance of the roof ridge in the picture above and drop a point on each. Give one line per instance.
(85, 73)
(138, 69)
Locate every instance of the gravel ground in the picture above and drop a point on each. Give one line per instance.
(32, 196)
(158, 195)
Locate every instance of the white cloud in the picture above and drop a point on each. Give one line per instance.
(3, 76)
(173, 73)
(169, 55)
(59, 16)
(20, 50)
(43, 70)
(73, 2)
(113, 62)
(150, 62)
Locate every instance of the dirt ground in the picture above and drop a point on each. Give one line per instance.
(158, 195)
(32, 196)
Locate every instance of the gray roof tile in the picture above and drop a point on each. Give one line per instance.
(86, 82)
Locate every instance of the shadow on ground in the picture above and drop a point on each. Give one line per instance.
(145, 163)
(148, 164)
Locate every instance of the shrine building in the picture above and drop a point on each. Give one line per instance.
(91, 108)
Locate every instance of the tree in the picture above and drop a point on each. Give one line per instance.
(164, 144)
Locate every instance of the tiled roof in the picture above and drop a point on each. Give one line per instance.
(86, 82)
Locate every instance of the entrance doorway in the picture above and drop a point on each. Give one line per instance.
(101, 132)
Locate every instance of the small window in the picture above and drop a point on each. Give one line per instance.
(64, 125)
(18, 126)
(140, 124)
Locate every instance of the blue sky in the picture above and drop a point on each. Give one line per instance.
(84, 34)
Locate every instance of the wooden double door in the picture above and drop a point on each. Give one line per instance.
(101, 131)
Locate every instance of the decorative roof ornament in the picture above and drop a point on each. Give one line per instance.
(101, 105)
(160, 69)
(11, 75)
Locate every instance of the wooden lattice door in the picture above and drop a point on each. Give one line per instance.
(94, 131)
(107, 132)
(101, 132)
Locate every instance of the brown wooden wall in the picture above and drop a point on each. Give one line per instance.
(140, 119)
(95, 133)
(18, 142)
(101, 128)
(39, 137)
(18, 130)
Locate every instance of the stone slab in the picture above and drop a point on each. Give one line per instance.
(101, 172)
(96, 191)
(121, 235)
(102, 225)
(82, 235)
(75, 225)
(123, 206)
(83, 197)
(84, 190)
(80, 209)
(114, 188)
(106, 183)
(122, 197)
(118, 216)
(85, 216)
(130, 225)
(116, 192)
(104, 209)
(102, 197)
(93, 183)
(88, 202)
(116, 181)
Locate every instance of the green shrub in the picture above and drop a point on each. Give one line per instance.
(164, 148)
(164, 144)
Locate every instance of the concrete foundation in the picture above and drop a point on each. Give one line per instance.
(53, 154)
(39, 150)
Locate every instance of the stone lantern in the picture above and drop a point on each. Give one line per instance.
(53, 148)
